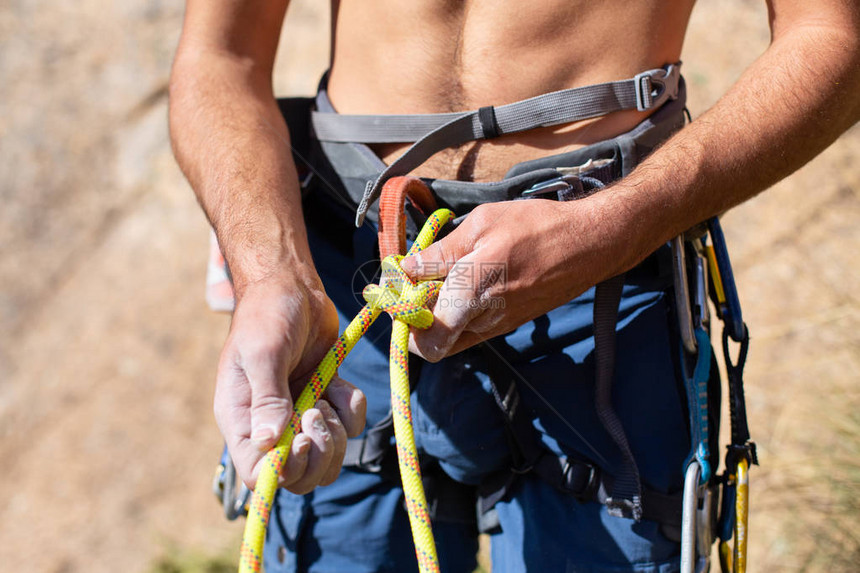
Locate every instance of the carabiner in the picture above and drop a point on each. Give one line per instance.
(702, 313)
(224, 488)
(696, 522)
(554, 185)
(734, 521)
(682, 295)
(741, 516)
(730, 311)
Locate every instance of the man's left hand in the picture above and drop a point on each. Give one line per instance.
(508, 263)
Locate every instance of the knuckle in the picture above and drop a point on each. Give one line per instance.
(432, 354)
(444, 254)
(245, 470)
(300, 488)
(357, 420)
(479, 215)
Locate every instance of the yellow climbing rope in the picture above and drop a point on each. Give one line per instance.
(406, 302)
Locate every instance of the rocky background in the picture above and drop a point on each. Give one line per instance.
(108, 352)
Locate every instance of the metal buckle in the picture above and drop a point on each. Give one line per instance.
(550, 186)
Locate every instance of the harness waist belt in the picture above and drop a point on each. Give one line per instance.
(434, 132)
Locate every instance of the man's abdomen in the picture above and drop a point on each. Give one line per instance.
(430, 56)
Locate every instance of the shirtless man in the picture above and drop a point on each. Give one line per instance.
(427, 56)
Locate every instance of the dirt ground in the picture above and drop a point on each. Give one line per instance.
(108, 352)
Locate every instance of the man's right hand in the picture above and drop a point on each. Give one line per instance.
(280, 331)
(230, 140)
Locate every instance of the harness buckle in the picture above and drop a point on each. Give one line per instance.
(656, 86)
(626, 508)
(642, 86)
(554, 185)
(576, 482)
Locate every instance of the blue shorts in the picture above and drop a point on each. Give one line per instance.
(359, 522)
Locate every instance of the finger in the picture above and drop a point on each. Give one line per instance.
(455, 308)
(349, 403)
(232, 414)
(437, 260)
(467, 340)
(320, 452)
(297, 461)
(271, 406)
(232, 400)
(338, 434)
(487, 323)
(433, 343)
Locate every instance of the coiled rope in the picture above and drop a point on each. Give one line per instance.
(406, 302)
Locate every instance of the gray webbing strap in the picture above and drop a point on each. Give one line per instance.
(645, 91)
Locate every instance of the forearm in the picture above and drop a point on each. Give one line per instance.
(233, 146)
(795, 100)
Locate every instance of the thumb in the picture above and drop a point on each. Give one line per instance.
(437, 260)
(271, 407)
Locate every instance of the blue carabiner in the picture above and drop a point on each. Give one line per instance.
(731, 313)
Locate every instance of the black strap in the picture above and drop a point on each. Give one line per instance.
(448, 500)
(741, 445)
(574, 477)
(626, 495)
(373, 452)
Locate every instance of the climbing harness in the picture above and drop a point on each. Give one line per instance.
(406, 302)
(434, 132)
(700, 271)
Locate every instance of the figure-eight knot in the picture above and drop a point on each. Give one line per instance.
(400, 296)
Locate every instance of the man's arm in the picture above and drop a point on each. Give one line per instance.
(786, 108)
(795, 100)
(233, 145)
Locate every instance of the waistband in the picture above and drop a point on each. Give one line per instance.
(356, 168)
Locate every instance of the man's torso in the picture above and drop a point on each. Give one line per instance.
(431, 56)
